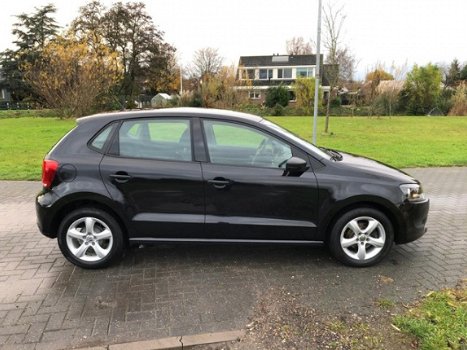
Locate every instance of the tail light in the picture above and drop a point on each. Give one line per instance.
(49, 168)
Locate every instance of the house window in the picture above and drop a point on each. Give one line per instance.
(284, 73)
(247, 74)
(254, 95)
(265, 74)
(305, 72)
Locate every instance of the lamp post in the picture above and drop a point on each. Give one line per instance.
(317, 74)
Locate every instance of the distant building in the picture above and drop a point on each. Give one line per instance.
(258, 73)
(160, 100)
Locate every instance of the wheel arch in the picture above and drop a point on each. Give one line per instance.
(384, 206)
(88, 200)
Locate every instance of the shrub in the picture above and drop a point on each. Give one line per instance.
(277, 95)
(459, 101)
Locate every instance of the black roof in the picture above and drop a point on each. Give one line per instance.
(278, 60)
(170, 112)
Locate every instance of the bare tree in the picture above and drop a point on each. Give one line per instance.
(298, 46)
(339, 58)
(206, 62)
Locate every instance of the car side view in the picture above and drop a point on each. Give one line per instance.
(206, 175)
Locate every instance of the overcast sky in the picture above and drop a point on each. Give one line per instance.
(416, 31)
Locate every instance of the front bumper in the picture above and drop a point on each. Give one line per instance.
(414, 216)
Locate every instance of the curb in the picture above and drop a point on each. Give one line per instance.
(173, 342)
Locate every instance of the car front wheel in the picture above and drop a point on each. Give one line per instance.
(361, 237)
(90, 238)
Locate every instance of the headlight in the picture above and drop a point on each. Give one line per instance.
(412, 192)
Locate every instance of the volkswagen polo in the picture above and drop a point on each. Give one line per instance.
(206, 175)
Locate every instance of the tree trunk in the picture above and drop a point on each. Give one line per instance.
(328, 107)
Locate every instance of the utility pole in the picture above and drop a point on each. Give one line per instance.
(317, 74)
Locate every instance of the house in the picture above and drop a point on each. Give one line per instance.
(160, 100)
(258, 73)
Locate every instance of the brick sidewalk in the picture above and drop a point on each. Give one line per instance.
(163, 291)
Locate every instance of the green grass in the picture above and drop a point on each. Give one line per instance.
(398, 141)
(24, 142)
(439, 321)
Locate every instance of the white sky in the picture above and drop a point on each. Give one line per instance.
(412, 31)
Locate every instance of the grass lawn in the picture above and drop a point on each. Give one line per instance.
(439, 321)
(24, 142)
(399, 141)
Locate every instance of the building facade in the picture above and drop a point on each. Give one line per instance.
(258, 73)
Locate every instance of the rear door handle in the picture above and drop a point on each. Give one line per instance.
(220, 183)
(121, 177)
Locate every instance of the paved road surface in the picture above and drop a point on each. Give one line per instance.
(47, 303)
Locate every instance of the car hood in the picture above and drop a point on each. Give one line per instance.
(374, 168)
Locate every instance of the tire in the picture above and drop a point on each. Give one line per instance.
(90, 238)
(361, 237)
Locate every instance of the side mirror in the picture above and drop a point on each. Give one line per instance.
(295, 167)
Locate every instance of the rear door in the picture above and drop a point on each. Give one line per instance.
(247, 195)
(150, 171)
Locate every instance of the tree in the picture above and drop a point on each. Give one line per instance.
(218, 91)
(277, 95)
(453, 75)
(126, 28)
(463, 74)
(206, 62)
(298, 46)
(459, 101)
(422, 89)
(71, 77)
(339, 58)
(379, 74)
(304, 89)
(376, 98)
(32, 32)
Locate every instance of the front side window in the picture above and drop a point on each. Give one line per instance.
(237, 144)
(166, 139)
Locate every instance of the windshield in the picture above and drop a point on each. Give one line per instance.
(307, 145)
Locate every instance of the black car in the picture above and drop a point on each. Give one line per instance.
(205, 175)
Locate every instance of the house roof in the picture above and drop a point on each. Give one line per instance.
(164, 95)
(390, 85)
(278, 60)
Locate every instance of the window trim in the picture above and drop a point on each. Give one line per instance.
(293, 148)
(116, 139)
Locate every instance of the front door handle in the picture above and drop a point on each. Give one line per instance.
(121, 177)
(220, 183)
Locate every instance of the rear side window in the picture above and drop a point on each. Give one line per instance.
(166, 139)
(100, 140)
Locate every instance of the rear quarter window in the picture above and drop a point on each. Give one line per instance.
(101, 139)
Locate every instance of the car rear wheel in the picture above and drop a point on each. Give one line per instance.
(90, 238)
(361, 237)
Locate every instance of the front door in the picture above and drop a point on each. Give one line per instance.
(150, 171)
(247, 196)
